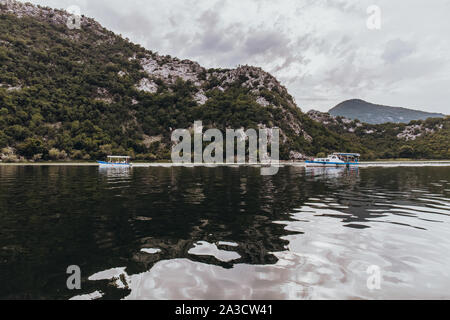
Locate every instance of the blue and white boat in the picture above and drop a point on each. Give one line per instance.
(335, 160)
(116, 161)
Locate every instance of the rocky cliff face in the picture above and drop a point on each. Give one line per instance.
(47, 15)
(169, 69)
(335, 123)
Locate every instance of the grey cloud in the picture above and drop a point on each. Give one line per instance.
(396, 50)
(260, 42)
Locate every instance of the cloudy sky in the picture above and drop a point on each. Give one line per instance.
(321, 50)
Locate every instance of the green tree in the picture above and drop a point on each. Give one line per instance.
(30, 147)
(406, 151)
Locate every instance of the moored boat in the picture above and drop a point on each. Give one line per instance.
(335, 160)
(116, 161)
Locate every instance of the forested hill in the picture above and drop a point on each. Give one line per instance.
(86, 93)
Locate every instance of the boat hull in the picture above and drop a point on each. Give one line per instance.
(330, 164)
(113, 164)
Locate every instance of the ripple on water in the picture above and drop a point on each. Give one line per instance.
(227, 233)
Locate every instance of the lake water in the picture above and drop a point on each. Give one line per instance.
(225, 232)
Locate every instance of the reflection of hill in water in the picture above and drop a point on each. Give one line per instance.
(222, 218)
(174, 209)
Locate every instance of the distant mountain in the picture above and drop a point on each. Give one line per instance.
(375, 114)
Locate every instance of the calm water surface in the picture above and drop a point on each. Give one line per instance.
(220, 233)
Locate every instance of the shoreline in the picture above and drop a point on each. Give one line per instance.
(281, 163)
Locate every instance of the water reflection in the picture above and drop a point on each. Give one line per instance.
(115, 174)
(203, 248)
(330, 172)
(193, 233)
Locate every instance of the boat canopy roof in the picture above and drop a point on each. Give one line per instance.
(119, 157)
(348, 154)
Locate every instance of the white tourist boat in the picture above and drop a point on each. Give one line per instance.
(116, 161)
(335, 160)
